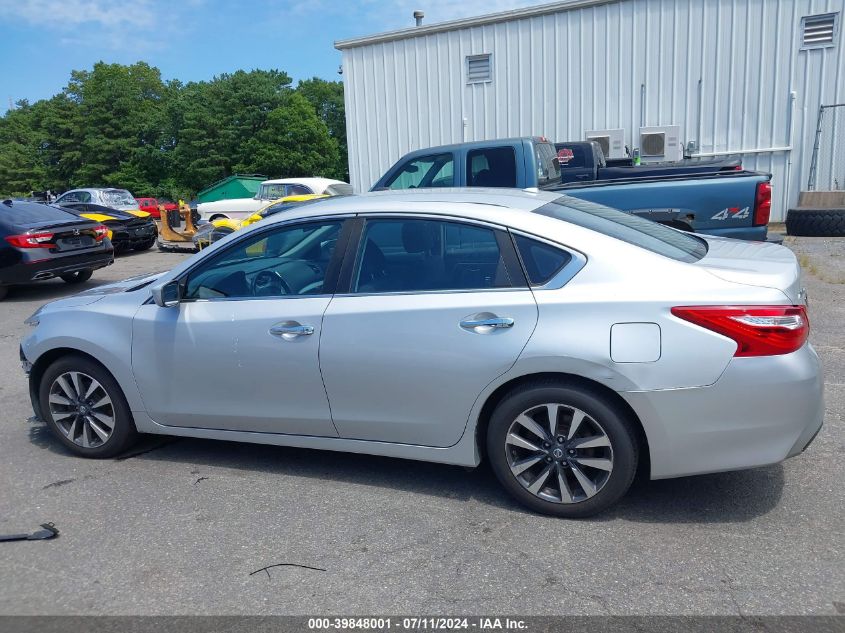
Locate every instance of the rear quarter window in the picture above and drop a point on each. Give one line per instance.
(626, 227)
(541, 261)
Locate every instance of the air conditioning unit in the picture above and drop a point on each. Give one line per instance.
(612, 142)
(661, 143)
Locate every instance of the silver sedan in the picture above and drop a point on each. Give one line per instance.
(567, 343)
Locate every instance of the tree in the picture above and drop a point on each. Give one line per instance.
(123, 126)
(327, 99)
(20, 164)
(294, 142)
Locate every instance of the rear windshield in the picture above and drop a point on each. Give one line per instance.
(29, 213)
(633, 229)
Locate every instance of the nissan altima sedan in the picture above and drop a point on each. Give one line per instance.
(565, 342)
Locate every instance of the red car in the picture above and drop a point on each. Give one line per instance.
(150, 205)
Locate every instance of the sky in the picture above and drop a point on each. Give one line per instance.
(41, 41)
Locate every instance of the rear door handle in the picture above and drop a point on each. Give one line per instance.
(290, 330)
(492, 323)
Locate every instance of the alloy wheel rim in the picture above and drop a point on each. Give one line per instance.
(82, 409)
(559, 453)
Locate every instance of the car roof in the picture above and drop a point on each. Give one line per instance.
(89, 189)
(470, 145)
(323, 182)
(31, 214)
(479, 203)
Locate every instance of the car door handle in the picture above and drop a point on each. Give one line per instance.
(291, 330)
(492, 323)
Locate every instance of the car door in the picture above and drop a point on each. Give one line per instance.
(432, 311)
(240, 351)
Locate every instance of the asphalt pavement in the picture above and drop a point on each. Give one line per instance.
(179, 526)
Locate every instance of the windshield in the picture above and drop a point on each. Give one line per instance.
(629, 228)
(119, 197)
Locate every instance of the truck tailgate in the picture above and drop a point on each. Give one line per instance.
(754, 264)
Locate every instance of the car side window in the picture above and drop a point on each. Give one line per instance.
(491, 167)
(542, 261)
(416, 255)
(71, 196)
(298, 190)
(288, 261)
(437, 170)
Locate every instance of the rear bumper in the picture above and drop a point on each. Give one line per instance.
(760, 411)
(127, 237)
(752, 233)
(47, 269)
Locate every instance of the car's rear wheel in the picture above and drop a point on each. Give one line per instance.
(4, 290)
(85, 408)
(78, 277)
(562, 450)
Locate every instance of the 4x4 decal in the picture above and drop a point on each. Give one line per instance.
(733, 213)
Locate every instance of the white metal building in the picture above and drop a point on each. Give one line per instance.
(736, 76)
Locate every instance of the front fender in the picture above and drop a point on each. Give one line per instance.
(99, 335)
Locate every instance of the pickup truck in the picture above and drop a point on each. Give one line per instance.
(734, 203)
(151, 206)
(583, 161)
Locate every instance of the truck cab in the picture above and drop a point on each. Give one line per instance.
(515, 162)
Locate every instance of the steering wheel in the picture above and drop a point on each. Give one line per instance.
(269, 283)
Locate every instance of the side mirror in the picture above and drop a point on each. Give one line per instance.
(167, 295)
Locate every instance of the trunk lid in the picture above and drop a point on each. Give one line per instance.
(754, 264)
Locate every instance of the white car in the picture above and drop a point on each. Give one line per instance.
(241, 208)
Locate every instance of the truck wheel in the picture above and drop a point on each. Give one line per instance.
(78, 277)
(816, 222)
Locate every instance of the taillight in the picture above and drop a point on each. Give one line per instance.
(757, 330)
(763, 204)
(100, 232)
(31, 240)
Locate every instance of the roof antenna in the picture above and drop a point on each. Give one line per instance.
(418, 16)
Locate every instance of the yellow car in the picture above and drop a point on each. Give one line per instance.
(218, 229)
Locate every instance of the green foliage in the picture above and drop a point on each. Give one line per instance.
(124, 126)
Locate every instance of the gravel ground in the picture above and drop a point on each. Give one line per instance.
(177, 526)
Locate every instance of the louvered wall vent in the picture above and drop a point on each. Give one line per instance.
(479, 69)
(818, 31)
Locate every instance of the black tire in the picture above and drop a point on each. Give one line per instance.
(613, 421)
(123, 434)
(4, 290)
(816, 222)
(145, 246)
(80, 276)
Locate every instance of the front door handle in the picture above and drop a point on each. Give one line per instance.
(487, 324)
(290, 330)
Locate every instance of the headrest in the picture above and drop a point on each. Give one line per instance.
(419, 237)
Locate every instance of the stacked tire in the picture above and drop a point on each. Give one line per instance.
(807, 222)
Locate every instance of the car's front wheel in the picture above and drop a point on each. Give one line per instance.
(85, 407)
(78, 277)
(562, 450)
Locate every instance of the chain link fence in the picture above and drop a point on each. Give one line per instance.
(827, 167)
